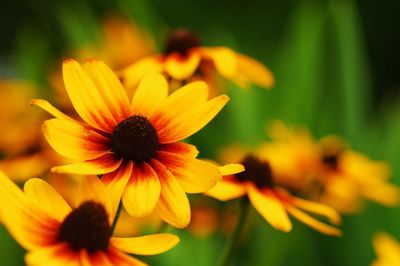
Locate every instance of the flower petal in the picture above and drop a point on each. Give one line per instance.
(92, 189)
(269, 206)
(191, 120)
(151, 92)
(73, 140)
(102, 165)
(135, 72)
(55, 255)
(230, 169)
(94, 258)
(45, 105)
(146, 245)
(47, 198)
(224, 59)
(182, 67)
(252, 71)
(193, 175)
(226, 190)
(180, 148)
(27, 223)
(173, 206)
(121, 259)
(142, 191)
(318, 208)
(115, 183)
(89, 101)
(312, 222)
(109, 87)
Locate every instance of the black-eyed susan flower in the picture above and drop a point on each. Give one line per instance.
(184, 59)
(347, 177)
(55, 234)
(387, 250)
(135, 145)
(274, 203)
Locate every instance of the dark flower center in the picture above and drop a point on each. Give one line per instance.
(86, 227)
(181, 41)
(135, 139)
(330, 160)
(256, 171)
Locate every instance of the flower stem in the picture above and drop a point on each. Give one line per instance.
(242, 218)
(114, 224)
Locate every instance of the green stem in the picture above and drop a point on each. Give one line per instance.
(242, 218)
(114, 224)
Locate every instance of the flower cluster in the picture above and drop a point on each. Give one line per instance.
(121, 137)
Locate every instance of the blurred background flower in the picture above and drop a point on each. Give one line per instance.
(336, 71)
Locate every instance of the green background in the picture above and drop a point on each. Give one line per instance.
(336, 68)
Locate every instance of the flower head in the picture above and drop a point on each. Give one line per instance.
(185, 59)
(135, 146)
(273, 202)
(53, 233)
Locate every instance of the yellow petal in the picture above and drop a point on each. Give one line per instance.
(121, 259)
(317, 208)
(55, 255)
(226, 190)
(135, 72)
(47, 198)
(151, 92)
(73, 140)
(230, 169)
(173, 206)
(92, 189)
(109, 88)
(182, 67)
(252, 71)
(224, 60)
(45, 105)
(27, 223)
(103, 165)
(142, 191)
(385, 245)
(180, 148)
(270, 207)
(193, 175)
(94, 258)
(89, 101)
(192, 120)
(115, 183)
(146, 245)
(313, 223)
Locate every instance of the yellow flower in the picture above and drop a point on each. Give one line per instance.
(184, 59)
(271, 201)
(387, 249)
(135, 146)
(23, 151)
(55, 234)
(347, 177)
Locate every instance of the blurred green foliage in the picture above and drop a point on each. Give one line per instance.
(318, 51)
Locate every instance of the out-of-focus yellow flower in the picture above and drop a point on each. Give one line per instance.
(23, 151)
(274, 203)
(185, 60)
(293, 154)
(55, 234)
(346, 177)
(135, 145)
(387, 249)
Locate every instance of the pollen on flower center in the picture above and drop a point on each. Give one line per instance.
(258, 172)
(134, 139)
(181, 41)
(86, 227)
